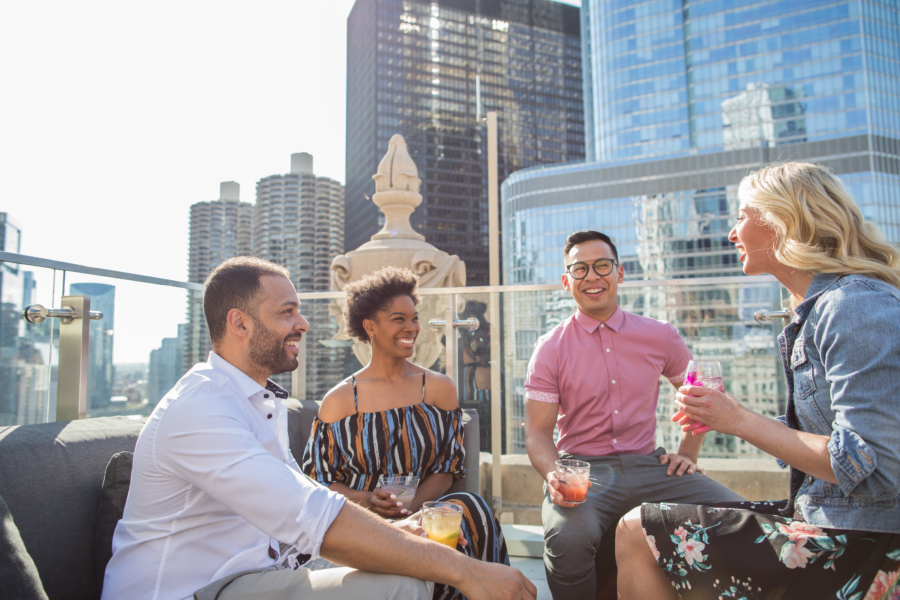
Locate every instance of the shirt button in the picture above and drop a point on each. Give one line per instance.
(615, 412)
(614, 380)
(607, 349)
(269, 416)
(265, 395)
(615, 441)
(809, 480)
(602, 325)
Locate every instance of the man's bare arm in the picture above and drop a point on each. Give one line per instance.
(540, 420)
(359, 539)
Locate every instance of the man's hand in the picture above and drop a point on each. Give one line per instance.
(492, 581)
(679, 464)
(555, 495)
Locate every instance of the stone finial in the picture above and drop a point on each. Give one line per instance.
(397, 171)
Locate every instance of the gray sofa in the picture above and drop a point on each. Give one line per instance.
(51, 477)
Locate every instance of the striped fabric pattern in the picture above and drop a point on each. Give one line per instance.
(410, 440)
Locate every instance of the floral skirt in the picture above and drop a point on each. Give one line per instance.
(748, 550)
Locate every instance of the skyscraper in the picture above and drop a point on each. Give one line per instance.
(412, 69)
(166, 367)
(681, 100)
(11, 295)
(220, 230)
(298, 223)
(100, 346)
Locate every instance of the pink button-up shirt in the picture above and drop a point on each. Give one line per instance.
(605, 378)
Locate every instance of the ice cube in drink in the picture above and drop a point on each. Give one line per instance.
(441, 520)
(573, 476)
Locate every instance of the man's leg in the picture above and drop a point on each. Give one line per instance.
(340, 583)
(650, 482)
(572, 535)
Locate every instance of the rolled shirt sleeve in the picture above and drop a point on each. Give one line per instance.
(542, 378)
(857, 338)
(210, 445)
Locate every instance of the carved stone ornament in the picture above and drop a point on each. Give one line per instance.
(397, 244)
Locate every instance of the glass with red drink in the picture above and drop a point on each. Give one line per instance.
(573, 478)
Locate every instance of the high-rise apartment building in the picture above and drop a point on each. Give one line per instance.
(298, 223)
(101, 371)
(220, 229)
(413, 68)
(682, 99)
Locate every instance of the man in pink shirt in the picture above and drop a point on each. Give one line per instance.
(596, 377)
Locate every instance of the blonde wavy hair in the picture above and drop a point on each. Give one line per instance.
(818, 225)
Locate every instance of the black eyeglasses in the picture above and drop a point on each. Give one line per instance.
(602, 267)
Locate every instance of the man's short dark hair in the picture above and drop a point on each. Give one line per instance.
(372, 293)
(580, 237)
(235, 284)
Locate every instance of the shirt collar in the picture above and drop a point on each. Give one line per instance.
(591, 324)
(241, 380)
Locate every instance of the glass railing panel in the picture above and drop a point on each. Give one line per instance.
(329, 352)
(137, 351)
(715, 319)
(27, 351)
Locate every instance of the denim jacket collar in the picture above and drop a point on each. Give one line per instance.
(820, 283)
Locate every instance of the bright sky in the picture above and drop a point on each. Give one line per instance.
(116, 116)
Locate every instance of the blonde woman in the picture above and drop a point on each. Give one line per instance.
(838, 535)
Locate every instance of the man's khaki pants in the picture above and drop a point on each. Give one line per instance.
(281, 583)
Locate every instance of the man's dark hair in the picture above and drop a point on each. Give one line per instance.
(372, 294)
(235, 284)
(580, 237)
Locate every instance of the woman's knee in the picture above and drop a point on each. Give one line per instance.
(629, 534)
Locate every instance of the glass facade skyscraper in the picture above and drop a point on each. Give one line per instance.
(682, 99)
(412, 67)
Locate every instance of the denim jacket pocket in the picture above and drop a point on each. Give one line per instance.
(809, 412)
(804, 382)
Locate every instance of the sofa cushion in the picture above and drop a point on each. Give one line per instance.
(18, 574)
(51, 476)
(113, 495)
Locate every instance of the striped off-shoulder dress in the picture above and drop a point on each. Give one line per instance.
(411, 440)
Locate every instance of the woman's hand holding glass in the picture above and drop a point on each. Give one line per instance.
(384, 502)
(718, 410)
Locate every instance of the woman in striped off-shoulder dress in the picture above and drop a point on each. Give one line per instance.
(396, 418)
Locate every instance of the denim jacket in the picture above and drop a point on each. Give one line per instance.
(841, 356)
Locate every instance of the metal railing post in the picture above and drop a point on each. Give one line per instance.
(74, 342)
(298, 376)
(494, 269)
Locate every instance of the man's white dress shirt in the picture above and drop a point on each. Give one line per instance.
(214, 488)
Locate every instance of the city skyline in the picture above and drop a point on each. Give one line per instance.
(195, 117)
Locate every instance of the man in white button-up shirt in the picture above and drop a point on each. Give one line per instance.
(215, 488)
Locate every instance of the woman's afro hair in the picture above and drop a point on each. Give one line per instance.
(372, 293)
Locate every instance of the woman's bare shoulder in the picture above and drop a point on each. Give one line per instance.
(338, 403)
(440, 391)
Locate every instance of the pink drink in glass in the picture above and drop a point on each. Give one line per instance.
(702, 374)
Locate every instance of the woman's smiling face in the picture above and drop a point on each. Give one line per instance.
(396, 327)
(755, 240)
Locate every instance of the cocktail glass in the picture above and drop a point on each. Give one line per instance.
(402, 486)
(441, 520)
(573, 476)
(703, 373)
